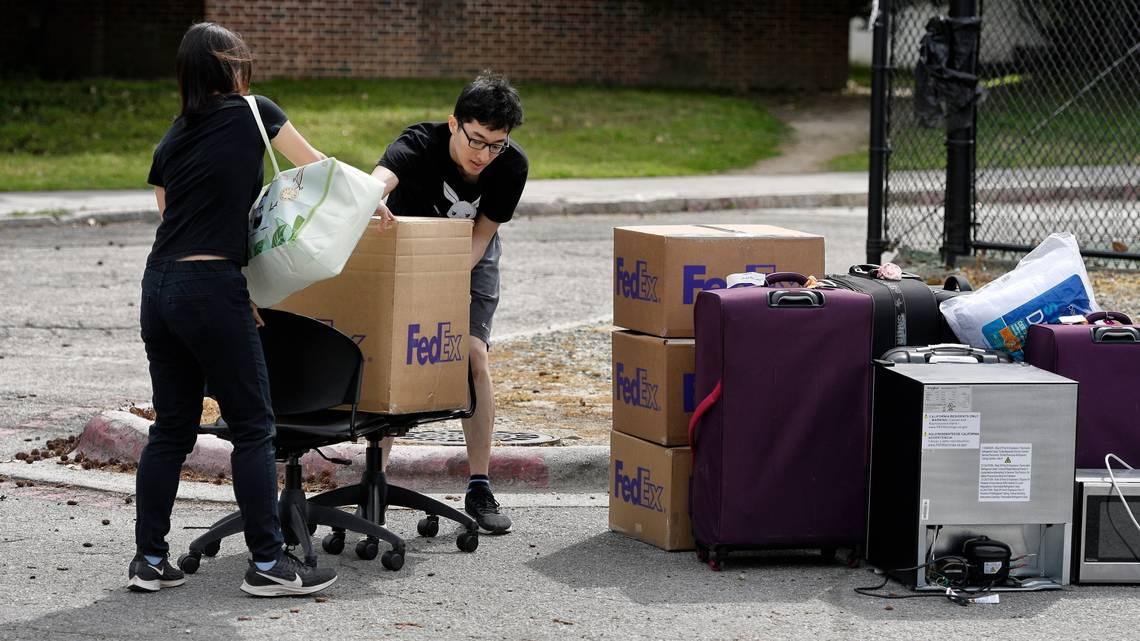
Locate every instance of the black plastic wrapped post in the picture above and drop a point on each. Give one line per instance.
(960, 158)
(876, 192)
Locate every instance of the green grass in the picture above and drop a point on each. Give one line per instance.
(100, 134)
(1100, 129)
(860, 75)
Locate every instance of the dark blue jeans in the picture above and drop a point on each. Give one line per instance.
(198, 328)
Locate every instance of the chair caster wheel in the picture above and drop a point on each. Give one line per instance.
(467, 541)
(212, 549)
(428, 526)
(333, 543)
(367, 549)
(189, 562)
(392, 560)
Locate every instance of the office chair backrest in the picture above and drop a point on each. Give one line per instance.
(311, 365)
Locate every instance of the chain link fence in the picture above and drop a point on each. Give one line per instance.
(1057, 134)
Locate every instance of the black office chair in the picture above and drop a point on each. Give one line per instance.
(313, 369)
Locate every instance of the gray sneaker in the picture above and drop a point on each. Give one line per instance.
(145, 577)
(288, 578)
(481, 505)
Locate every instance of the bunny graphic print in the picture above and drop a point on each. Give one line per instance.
(459, 208)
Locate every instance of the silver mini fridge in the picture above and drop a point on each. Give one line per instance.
(960, 451)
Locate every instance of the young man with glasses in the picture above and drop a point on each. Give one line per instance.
(467, 167)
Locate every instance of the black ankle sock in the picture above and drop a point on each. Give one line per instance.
(478, 479)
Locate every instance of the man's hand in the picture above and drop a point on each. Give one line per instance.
(387, 220)
(256, 317)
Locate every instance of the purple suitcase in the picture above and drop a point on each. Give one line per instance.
(780, 438)
(1105, 361)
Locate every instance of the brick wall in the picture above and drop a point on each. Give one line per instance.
(62, 39)
(732, 44)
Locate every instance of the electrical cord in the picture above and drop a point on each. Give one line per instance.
(1112, 477)
(955, 594)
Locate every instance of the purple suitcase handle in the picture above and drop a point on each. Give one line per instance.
(1116, 317)
(702, 409)
(779, 278)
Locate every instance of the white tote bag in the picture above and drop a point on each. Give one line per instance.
(305, 223)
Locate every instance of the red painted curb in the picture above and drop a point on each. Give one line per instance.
(122, 436)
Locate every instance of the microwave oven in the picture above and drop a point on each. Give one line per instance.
(1107, 547)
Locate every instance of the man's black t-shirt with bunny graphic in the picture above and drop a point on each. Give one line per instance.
(430, 183)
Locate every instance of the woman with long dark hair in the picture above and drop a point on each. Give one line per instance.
(198, 323)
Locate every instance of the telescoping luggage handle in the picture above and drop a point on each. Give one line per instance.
(942, 353)
(1117, 328)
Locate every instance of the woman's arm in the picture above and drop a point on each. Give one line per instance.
(160, 196)
(293, 145)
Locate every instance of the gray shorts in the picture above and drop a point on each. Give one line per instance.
(485, 291)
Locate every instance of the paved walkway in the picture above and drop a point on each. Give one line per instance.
(575, 196)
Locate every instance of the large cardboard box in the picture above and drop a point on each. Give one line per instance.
(649, 492)
(653, 386)
(404, 297)
(660, 269)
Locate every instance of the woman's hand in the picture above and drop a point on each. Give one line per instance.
(387, 220)
(256, 317)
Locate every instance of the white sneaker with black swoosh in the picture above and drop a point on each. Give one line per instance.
(288, 577)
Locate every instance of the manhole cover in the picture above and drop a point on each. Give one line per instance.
(455, 437)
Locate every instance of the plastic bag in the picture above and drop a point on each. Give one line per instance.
(1050, 282)
(305, 224)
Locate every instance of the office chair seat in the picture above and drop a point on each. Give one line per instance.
(313, 369)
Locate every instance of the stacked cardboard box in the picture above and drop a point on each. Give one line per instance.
(404, 298)
(658, 272)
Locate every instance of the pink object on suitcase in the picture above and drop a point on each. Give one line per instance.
(780, 437)
(1105, 360)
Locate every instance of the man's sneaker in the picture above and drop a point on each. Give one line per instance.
(480, 503)
(288, 577)
(145, 577)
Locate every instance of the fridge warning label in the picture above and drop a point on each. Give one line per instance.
(948, 398)
(951, 430)
(1005, 472)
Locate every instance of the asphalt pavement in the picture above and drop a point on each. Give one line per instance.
(69, 348)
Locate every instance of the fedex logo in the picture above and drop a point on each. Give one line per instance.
(442, 347)
(693, 281)
(639, 489)
(636, 390)
(638, 284)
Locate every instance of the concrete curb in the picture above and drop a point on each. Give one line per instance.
(542, 208)
(101, 217)
(121, 436)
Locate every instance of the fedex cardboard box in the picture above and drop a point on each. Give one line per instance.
(653, 386)
(649, 492)
(660, 269)
(404, 298)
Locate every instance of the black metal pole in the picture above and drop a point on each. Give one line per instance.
(960, 157)
(880, 86)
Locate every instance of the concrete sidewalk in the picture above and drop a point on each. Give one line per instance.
(572, 196)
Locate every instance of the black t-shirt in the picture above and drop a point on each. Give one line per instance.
(431, 185)
(210, 165)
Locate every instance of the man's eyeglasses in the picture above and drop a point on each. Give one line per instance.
(495, 148)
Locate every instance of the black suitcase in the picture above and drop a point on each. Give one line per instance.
(906, 310)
